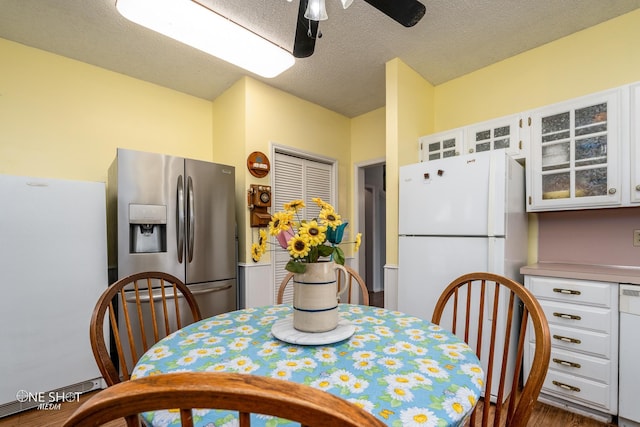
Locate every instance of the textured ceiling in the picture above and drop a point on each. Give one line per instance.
(346, 72)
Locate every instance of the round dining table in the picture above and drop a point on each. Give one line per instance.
(404, 370)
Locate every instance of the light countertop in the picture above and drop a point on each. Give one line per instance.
(604, 273)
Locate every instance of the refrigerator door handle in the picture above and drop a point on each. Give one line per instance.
(491, 258)
(210, 290)
(491, 203)
(156, 294)
(190, 219)
(180, 219)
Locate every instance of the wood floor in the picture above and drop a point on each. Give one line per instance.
(543, 416)
(376, 299)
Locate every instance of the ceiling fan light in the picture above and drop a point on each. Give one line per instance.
(195, 25)
(316, 11)
(346, 3)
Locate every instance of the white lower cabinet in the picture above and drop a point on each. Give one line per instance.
(583, 320)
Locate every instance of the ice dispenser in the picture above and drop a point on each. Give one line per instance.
(147, 228)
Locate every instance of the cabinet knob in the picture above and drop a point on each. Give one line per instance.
(612, 191)
(638, 187)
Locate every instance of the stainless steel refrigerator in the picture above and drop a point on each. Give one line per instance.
(459, 215)
(177, 216)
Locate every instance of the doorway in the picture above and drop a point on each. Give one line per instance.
(371, 214)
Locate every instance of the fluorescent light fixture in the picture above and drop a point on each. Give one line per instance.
(195, 25)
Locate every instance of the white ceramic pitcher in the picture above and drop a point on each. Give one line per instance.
(316, 296)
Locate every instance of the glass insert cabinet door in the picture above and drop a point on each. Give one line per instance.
(505, 132)
(440, 145)
(575, 154)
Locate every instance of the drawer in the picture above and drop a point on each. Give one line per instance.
(578, 316)
(577, 364)
(580, 390)
(573, 291)
(594, 343)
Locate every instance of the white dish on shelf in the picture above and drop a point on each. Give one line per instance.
(284, 331)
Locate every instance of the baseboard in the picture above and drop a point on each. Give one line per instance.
(576, 409)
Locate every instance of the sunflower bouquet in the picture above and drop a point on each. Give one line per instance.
(306, 240)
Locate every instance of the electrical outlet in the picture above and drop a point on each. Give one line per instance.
(636, 237)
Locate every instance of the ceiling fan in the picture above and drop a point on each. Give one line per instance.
(405, 12)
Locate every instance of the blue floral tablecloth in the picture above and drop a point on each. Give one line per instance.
(404, 370)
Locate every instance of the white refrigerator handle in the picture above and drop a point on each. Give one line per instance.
(491, 197)
(491, 250)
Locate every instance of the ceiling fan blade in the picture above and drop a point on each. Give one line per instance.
(406, 12)
(306, 33)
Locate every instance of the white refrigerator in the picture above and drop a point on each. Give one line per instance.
(458, 215)
(53, 269)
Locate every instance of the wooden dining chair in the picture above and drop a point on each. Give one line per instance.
(353, 276)
(477, 301)
(135, 323)
(242, 393)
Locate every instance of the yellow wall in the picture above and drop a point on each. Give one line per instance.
(270, 116)
(595, 59)
(229, 134)
(409, 114)
(368, 136)
(62, 118)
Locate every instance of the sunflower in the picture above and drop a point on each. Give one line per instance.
(330, 217)
(280, 221)
(294, 205)
(256, 252)
(313, 233)
(321, 203)
(263, 240)
(358, 241)
(298, 247)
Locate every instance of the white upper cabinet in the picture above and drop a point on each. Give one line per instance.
(510, 133)
(574, 161)
(440, 145)
(582, 153)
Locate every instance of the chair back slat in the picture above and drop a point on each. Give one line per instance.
(139, 314)
(152, 310)
(176, 297)
(113, 322)
(186, 417)
(498, 338)
(127, 321)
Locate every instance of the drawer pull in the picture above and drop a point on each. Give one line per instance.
(567, 339)
(566, 291)
(567, 363)
(566, 386)
(567, 316)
